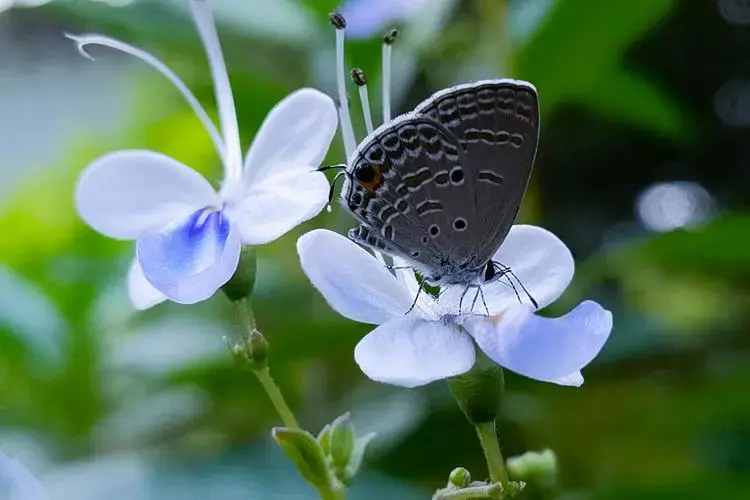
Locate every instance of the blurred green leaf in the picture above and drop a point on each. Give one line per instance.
(577, 55)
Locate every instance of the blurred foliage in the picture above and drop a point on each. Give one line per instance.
(101, 400)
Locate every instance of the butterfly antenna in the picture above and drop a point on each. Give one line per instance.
(536, 306)
(326, 168)
(332, 189)
(505, 272)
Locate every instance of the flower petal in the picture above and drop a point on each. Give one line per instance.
(410, 352)
(125, 193)
(188, 262)
(540, 261)
(546, 349)
(295, 135)
(142, 293)
(278, 203)
(353, 282)
(18, 482)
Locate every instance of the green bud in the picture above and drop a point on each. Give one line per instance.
(240, 285)
(257, 349)
(342, 441)
(478, 392)
(358, 454)
(532, 466)
(324, 439)
(303, 450)
(459, 477)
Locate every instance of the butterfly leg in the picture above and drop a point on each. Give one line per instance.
(419, 290)
(461, 300)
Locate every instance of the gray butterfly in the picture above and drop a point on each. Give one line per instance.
(440, 187)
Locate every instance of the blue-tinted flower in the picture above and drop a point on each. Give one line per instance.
(432, 342)
(17, 483)
(369, 17)
(189, 234)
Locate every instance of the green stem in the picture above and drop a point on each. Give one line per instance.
(333, 494)
(247, 318)
(276, 397)
(491, 447)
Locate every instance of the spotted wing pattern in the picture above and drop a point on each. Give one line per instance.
(497, 124)
(404, 183)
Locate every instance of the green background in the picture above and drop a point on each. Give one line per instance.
(101, 401)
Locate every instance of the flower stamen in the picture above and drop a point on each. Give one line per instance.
(388, 40)
(359, 79)
(82, 41)
(347, 129)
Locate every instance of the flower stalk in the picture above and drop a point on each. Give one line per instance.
(495, 463)
(255, 353)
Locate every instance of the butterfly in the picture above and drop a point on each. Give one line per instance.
(440, 187)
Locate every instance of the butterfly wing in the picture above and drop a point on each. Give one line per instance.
(496, 122)
(403, 187)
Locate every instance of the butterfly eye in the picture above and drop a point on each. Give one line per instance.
(369, 175)
(489, 271)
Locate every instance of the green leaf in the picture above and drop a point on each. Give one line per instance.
(574, 55)
(342, 440)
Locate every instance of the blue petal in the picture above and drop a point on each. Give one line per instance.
(17, 483)
(191, 259)
(547, 349)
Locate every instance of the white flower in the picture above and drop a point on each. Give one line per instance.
(17, 483)
(189, 234)
(432, 342)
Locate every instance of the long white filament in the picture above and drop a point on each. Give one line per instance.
(204, 21)
(387, 51)
(365, 100)
(347, 130)
(91, 39)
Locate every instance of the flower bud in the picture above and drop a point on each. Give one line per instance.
(303, 450)
(240, 285)
(342, 441)
(257, 349)
(324, 439)
(459, 477)
(534, 467)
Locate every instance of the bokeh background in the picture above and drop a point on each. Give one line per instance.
(643, 170)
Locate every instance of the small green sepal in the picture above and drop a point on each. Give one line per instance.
(303, 450)
(240, 285)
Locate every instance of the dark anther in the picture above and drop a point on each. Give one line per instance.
(390, 37)
(337, 20)
(358, 77)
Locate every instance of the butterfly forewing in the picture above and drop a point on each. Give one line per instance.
(496, 122)
(408, 187)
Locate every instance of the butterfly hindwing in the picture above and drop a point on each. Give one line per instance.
(497, 124)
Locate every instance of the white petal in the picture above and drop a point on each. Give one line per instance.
(410, 352)
(142, 294)
(278, 203)
(125, 193)
(295, 135)
(18, 482)
(542, 263)
(188, 262)
(572, 379)
(547, 349)
(353, 282)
